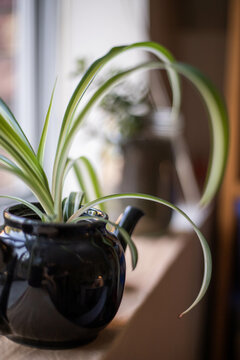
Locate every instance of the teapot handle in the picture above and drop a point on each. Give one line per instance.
(7, 266)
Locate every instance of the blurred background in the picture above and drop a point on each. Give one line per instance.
(136, 147)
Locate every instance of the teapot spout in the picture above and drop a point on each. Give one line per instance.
(128, 221)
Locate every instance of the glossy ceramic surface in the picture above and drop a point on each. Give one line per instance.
(59, 284)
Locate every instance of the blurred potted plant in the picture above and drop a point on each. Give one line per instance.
(62, 272)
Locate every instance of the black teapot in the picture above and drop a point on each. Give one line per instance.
(60, 284)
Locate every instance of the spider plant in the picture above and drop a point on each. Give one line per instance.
(26, 164)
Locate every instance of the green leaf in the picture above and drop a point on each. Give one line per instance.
(162, 53)
(203, 242)
(92, 178)
(4, 160)
(9, 117)
(123, 232)
(96, 97)
(31, 180)
(217, 117)
(19, 151)
(22, 151)
(80, 179)
(92, 181)
(219, 124)
(35, 187)
(71, 204)
(34, 208)
(41, 147)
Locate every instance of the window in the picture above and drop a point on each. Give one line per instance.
(27, 69)
(8, 52)
(41, 40)
(88, 30)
